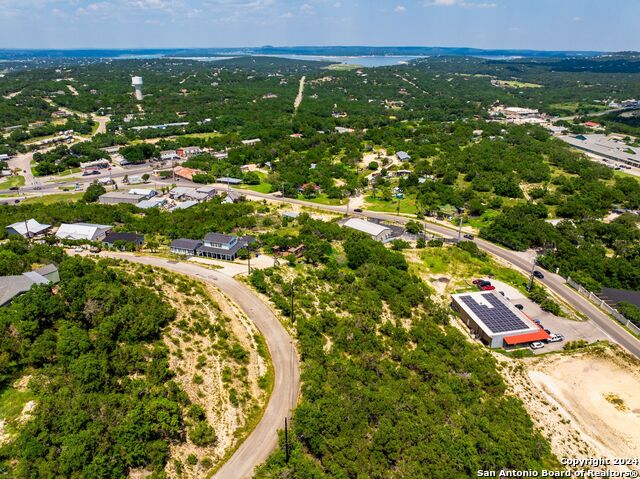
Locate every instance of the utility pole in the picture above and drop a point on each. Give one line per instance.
(292, 294)
(533, 267)
(26, 226)
(460, 229)
(286, 440)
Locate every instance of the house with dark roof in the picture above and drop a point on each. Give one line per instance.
(214, 245)
(12, 286)
(221, 246)
(185, 246)
(111, 239)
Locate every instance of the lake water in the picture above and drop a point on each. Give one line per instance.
(365, 61)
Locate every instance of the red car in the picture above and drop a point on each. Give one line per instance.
(487, 287)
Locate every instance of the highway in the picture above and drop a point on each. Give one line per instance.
(262, 441)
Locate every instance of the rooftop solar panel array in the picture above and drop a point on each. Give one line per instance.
(499, 318)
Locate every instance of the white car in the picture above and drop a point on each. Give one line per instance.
(554, 338)
(536, 345)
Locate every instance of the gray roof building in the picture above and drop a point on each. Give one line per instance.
(12, 286)
(29, 228)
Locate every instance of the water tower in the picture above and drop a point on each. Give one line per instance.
(136, 82)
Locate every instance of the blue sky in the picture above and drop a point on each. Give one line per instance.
(609, 25)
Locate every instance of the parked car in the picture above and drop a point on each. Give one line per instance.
(14, 188)
(78, 249)
(547, 331)
(487, 287)
(519, 306)
(476, 281)
(554, 338)
(536, 345)
(538, 322)
(538, 274)
(468, 236)
(357, 210)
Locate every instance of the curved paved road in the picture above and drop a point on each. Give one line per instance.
(554, 282)
(257, 447)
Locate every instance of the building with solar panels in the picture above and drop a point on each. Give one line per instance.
(494, 320)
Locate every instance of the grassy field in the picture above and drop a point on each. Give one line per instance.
(517, 84)
(48, 199)
(322, 199)
(261, 188)
(481, 221)
(212, 134)
(459, 264)
(343, 67)
(12, 182)
(407, 205)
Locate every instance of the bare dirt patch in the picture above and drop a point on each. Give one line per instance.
(586, 403)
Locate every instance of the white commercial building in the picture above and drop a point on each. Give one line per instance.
(376, 231)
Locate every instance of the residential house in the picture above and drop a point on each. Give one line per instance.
(186, 173)
(188, 151)
(185, 246)
(12, 286)
(82, 231)
(214, 245)
(169, 155)
(111, 239)
(27, 229)
(403, 156)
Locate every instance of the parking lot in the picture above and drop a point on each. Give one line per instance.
(570, 329)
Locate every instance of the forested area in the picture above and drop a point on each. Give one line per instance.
(390, 389)
(100, 378)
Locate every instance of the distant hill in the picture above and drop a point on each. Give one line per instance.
(297, 50)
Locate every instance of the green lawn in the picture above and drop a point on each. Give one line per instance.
(261, 188)
(407, 205)
(12, 182)
(48, 199)
(12, 402)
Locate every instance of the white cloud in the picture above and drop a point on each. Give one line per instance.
(576, 19)
(459, 3)
(400, 9)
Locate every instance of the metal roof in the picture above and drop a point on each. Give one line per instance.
(80, 231)
(368, 227)
(32, 225)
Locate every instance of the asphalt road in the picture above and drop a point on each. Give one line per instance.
(263, 440)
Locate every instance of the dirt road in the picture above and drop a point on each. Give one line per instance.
(298, 99)
(264, 438)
